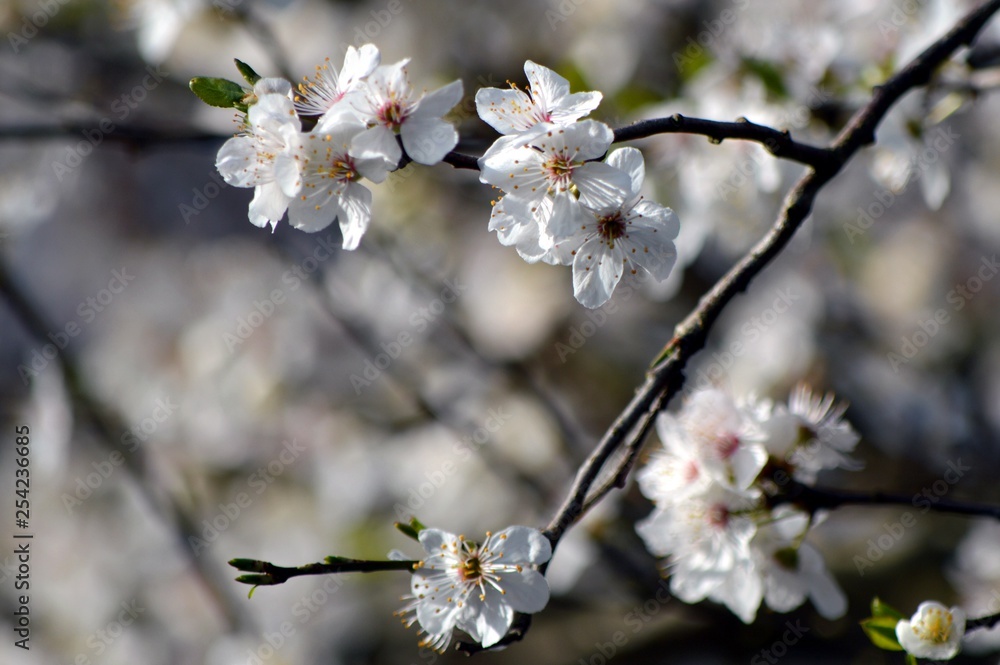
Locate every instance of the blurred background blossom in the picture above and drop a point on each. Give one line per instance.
(270, 396)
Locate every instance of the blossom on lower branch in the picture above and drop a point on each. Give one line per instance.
(721, 460)
(476, 587)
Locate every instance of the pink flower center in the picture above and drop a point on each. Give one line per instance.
(726, 446)
(611, 227)
(392, 114)
(718, 516)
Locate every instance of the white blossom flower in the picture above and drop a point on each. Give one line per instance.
(547, 174)
(724, 434)
(934, 632)
(477, 588)
(390, 107)
(265, 157)
(330, 187)
(328, 90)
(793, 570)
(707, 538)
(548, 100)
(625, 235)
(810, 434)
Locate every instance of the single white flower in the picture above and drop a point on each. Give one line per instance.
(793, 570)
(810, 434)
(934, 632)
(723, 433)
(624, 236)
(330, 175)
(477, 588)
(552, 160)
(329, 88)
(265, 157)
(390, 107)
(707, 539)
(548, 100)
(547, 174)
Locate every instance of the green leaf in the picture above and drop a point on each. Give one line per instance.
(882, 632)
(769, 74)
(221, 93)
(247, 565)
(411, 529)
(250, 594)
(249, 75)
(256, 580)
(911, 659)
(880, 609)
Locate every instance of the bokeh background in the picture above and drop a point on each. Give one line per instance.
(198, 389)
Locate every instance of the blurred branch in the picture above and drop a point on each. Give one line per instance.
(265, 573)
(109, 427)
(825, 498)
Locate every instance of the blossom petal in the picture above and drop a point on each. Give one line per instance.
(507, 111)
(601, 186)
(356, 214)
(526, 591)
(377, 143)
(630, 161)
(428, 140)
(436, 104)
(487, 620)
(522, 544)
(547, 87)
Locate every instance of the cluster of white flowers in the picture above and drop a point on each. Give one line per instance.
(476, 587)
(559, 205)
(314, 175)
(710, 483)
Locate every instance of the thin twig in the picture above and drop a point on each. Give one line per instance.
(265, 573)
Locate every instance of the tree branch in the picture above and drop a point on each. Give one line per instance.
(778, 142)
(265, 573)
(826, 498)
